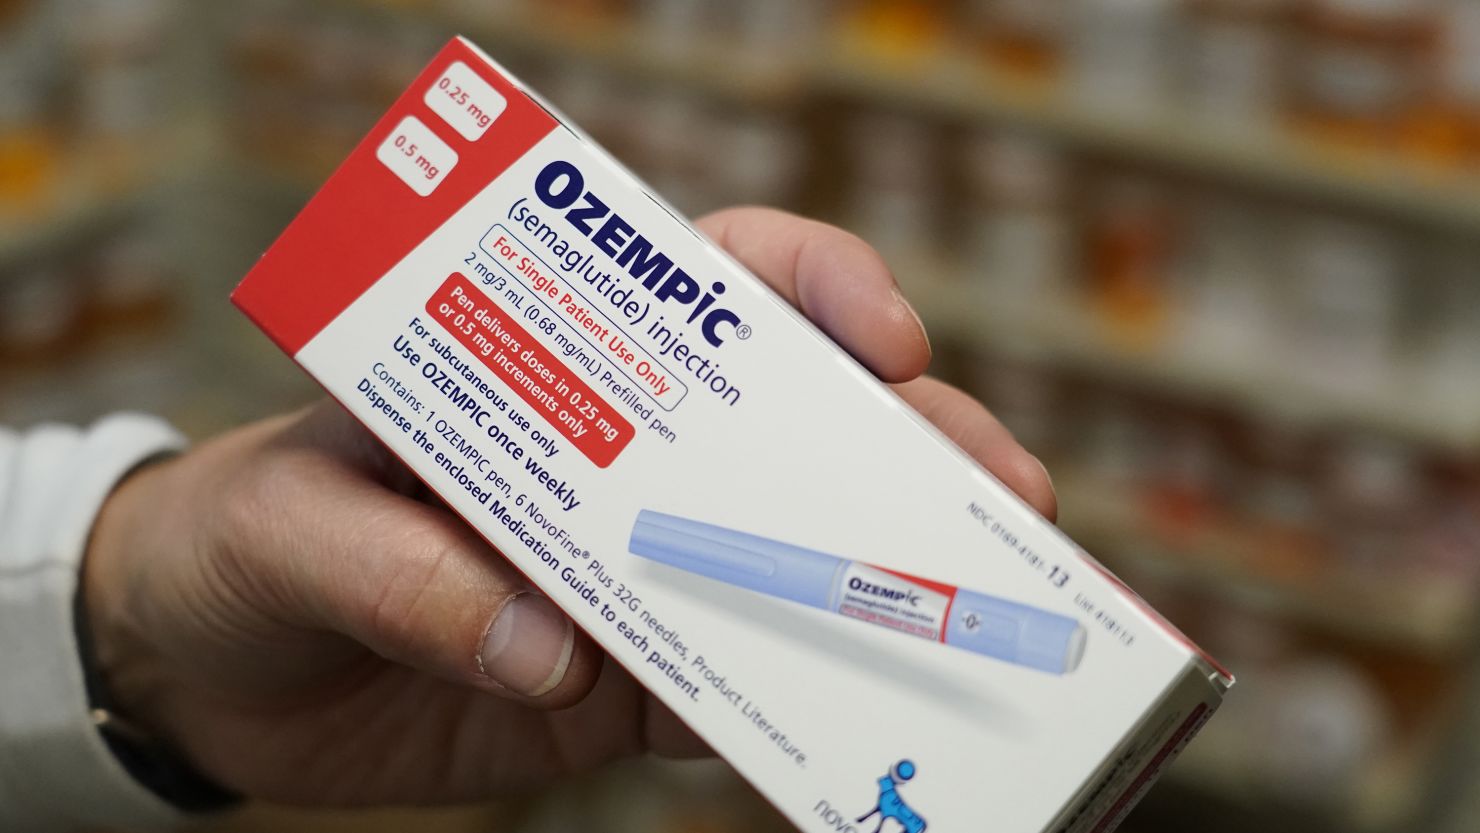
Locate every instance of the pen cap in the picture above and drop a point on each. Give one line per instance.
(1015, 632)
(736, 558)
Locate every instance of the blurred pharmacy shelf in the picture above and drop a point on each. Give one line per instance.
(75, 214)
(1432, 620)
(1391, 789)
(1454, 787)
(1426, 616)
(1068, 336)
(708, 64)
(100, 193)
(951, 83)
(1388, 792)
(956, 87)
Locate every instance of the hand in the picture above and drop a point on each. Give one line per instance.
(288, 607)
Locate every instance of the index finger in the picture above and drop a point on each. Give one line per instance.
(836, 279)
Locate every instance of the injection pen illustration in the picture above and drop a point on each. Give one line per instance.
(986, 625)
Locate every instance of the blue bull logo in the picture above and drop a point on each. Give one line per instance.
(891, 806)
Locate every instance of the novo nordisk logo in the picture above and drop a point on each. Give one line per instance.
(860, 586)
(889, 806)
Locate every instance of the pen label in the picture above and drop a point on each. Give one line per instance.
(895, 601)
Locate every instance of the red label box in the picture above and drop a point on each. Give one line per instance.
(551, 389)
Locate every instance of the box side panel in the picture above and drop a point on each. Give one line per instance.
(1137, 764)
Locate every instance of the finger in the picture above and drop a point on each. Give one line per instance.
(979, 434)
(415, 585)
(835, 279)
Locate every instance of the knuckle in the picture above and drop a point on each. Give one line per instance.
(406, 597)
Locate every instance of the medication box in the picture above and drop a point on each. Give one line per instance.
(868, 626)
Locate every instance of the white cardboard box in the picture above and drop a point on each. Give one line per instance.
(722, 498)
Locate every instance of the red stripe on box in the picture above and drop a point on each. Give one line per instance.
(551, 389)
(365, 220)
(1153, 769)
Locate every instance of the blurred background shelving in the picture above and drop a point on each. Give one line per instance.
(1217, 262)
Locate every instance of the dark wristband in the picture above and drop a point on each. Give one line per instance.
(150, 762)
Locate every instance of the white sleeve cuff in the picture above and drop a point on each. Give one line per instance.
(56, 772)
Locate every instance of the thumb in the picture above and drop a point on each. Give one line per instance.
(415, 585)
